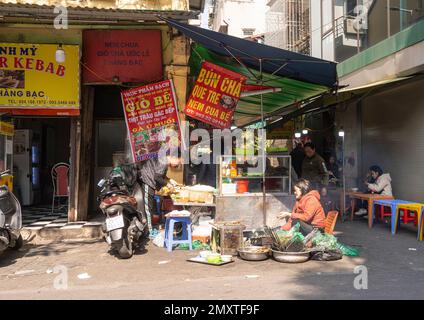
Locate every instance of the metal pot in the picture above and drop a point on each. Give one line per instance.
(248, 253)
(291, 257)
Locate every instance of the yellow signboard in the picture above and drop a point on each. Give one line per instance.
(33, 82)
(6, 128)
(285, 132)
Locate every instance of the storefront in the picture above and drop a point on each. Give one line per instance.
(271, 83)
(39, 95)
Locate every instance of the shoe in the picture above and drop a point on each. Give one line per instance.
(361, 212)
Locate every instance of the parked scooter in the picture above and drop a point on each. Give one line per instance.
(120, 199)
(10, 219)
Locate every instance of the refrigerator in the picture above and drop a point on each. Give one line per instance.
(26, 160)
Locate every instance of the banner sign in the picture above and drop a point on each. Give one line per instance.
(151, 111)
(215, 95)
(33, 83)
(112, 56)
(284, 132)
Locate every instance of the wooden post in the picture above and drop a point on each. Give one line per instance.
(74, 164)
(83, 132)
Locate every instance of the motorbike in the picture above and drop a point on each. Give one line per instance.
(120, 201)
(10, 219)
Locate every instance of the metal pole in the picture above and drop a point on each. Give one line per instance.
(388, 18)
(344, 177)
(263, 150)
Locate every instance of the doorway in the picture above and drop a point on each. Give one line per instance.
(39, 144)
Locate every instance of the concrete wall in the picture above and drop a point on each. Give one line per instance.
(240, 14)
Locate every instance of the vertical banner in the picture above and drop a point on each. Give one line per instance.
(215, 95)
(151, 114)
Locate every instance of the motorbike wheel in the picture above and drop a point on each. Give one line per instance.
(125, 248)
(18, 243)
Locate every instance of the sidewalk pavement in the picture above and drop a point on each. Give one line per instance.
(394, 265)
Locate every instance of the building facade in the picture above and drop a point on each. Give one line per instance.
(239, 18)
(379, 46)
(287, 25)
(80, 122)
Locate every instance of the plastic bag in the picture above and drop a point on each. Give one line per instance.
(159, 239)
(329, 242)
(347, 250)
(326, 255)
(291, 239)
(196, 244)
(325, 241)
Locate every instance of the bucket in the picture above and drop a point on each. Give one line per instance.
(242, 186)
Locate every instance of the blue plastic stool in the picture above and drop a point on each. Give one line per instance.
(392, 204)
(169, 232)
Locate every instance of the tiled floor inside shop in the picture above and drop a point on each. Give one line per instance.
(36, 218)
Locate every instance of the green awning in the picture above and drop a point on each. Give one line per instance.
(248, 109)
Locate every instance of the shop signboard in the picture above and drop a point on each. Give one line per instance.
(116, 56)
(284, 132)
(32, 82)
(215, 95)
(151, 115)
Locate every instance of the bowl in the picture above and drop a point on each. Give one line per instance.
(254, 253)
(291, 257)
(226, 258)
(204, 254)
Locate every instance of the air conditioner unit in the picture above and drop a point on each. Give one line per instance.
(350, 26)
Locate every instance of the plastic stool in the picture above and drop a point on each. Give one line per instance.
(169, 232)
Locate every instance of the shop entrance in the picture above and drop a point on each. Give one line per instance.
(109, 137)
(39, 144)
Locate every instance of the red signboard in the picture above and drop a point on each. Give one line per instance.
(215, 95)
(122, 56)
(150, 111)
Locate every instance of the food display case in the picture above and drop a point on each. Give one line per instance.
(245, 175)
(241, 196)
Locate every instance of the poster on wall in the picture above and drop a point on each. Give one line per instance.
(215, 95)
(151, 111)
(32, 82)
(111, 56)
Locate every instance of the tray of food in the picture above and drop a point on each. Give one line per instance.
(212, 258)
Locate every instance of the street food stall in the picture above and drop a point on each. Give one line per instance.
(241, 195)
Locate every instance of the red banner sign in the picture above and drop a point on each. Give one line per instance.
(151, 111)
(215, 95)
(122, 56)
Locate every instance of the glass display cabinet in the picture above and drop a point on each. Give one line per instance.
(244, 175)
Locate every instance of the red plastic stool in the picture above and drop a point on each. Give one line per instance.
(409, 216)
(384, 213)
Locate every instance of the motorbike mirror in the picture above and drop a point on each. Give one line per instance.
(101, 183)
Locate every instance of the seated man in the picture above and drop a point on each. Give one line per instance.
(378, 182)
(307, 210)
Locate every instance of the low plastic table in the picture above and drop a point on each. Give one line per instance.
(418, 207)
(392, 204)
(370, 197)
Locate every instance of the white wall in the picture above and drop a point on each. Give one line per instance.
(315, 13)
(240, 14)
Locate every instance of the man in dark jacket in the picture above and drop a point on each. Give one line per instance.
(313, 167)
(152, 174)
(297, 156)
